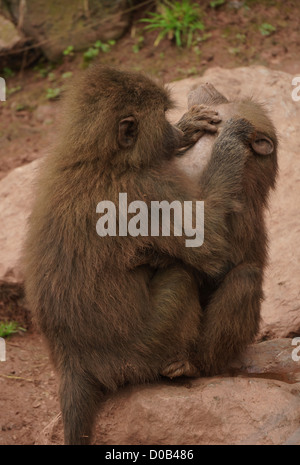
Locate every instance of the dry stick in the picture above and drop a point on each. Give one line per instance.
(16, 377)
(22, 7)
(86, 8)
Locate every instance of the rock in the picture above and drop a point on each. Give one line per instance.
(16, 195)
(207, 411)
(217, 410)
(276, 358)
(12, 45)
(56, 25)
(10, 37)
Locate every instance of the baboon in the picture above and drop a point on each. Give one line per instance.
(231, 301)
(110, 319)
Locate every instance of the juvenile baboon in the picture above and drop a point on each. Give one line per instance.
(231, 301)
(108, 318)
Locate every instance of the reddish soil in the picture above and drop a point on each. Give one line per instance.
(28, 387)
(28, 384)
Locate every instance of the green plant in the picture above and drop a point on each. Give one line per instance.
(90, 54)
(52, 94)
(202, 38)
(234, 50)
(192, 71)
(21, 107)
(9, 328)
(197, 50)
(51, 76)
(267, 29)
(13, 90)
(43, 69)
(178, 20)
(241, 37)
(67, 75)
(69, 51)
(104, 46)
(217, 3)
(93, 51)
(7, 72)
(138, 45)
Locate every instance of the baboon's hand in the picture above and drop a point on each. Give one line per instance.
(198, 120)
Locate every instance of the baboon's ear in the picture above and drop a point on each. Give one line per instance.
(262, 144)
(128, 131)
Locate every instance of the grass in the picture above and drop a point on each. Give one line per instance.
(7, 328)
(175, 20)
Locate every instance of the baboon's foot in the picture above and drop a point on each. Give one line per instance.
(179, 368)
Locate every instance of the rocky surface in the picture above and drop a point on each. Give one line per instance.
(248, 408)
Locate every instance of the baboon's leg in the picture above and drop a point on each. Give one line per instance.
(231, 319)
(177, 313)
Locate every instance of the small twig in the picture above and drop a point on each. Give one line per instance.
(16, 377)
(22, 7)
(86, 8)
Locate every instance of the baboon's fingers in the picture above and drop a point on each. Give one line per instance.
(202, 112)
(210, 127)
(206, 126)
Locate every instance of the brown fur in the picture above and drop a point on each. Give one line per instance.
(108, 318)
(231, 302)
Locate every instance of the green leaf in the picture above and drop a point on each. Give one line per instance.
(267, 29)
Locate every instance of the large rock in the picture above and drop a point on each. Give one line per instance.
(10, 37)
(16, 196)
(55, 25)
(280, 310)
(276, 358)
(219, 410)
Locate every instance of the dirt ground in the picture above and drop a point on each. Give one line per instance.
(28, 384)
(28, 387)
